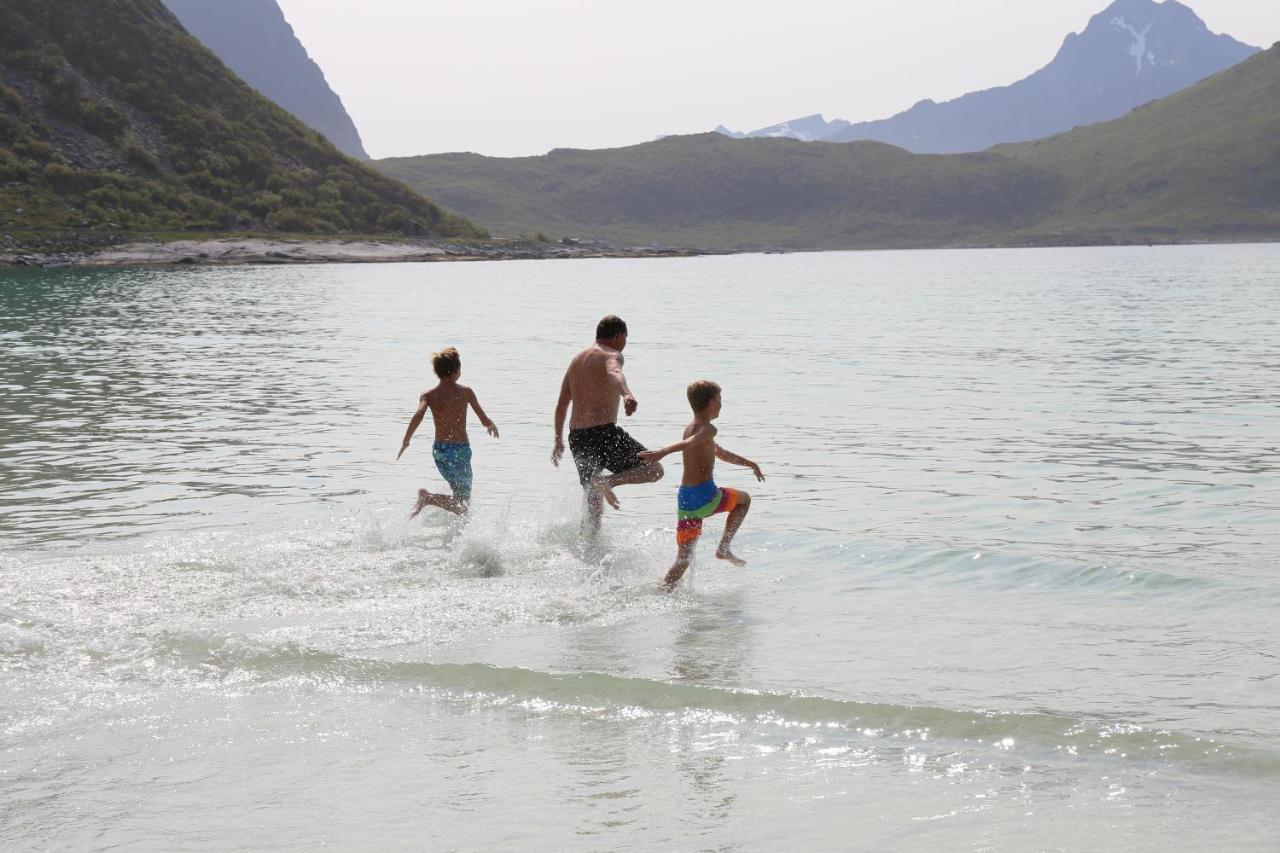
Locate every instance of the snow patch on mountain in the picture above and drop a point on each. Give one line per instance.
(1138, 50)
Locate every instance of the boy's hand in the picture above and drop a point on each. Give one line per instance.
(756, 470)
(557, 451)
(650, 455)
(403, 448)
(629, 405)
(492, 428)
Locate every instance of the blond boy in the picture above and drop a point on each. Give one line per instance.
(699, 496)
(448, 402)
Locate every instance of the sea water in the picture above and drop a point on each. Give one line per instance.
(1011, 583)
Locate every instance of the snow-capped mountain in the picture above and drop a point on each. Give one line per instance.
(1132, 52)
(807, 129)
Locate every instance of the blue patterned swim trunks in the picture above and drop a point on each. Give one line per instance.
(454, 463)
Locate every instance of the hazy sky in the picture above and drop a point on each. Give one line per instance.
(516, 77)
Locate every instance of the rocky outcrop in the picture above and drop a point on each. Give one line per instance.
(255, 41)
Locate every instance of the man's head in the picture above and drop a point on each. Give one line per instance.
(612, 332)
(446, 363)
(704, 398)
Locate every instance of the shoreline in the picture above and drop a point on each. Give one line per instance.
(246, 251)
(262, 251)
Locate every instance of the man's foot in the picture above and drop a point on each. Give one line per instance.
(602, 491)
(726, 554)
(424, 498)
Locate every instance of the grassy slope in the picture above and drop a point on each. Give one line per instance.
(709, 190)
(113, 118)
(1203, 164)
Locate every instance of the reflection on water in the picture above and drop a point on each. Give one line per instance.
(1011, 578)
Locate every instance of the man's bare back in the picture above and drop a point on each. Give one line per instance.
(594, 388)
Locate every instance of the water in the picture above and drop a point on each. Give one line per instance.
(1011, 585)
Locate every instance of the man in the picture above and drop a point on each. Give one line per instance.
(594, 384)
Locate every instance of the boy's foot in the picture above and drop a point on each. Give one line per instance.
(424, 498)
(726, 554)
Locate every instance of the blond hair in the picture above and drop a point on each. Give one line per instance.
(446, 362)
(701, 393)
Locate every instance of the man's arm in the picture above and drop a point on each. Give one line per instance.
(562, 411)
(704, 433)
(423, 403)
(734, 459)
(484, 419)
(613, 368)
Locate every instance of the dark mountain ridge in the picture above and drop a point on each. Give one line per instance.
(114, 119)
(255, 41)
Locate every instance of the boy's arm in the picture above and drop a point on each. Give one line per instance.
(613, 367)
(562, 410)
(706, 432)
(484, 419)
(734, 459)
(423, 403)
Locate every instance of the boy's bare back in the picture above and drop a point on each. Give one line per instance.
(448, 403)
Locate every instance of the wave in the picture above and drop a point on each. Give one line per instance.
(1040, 735)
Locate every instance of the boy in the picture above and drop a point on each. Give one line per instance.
(448, 402)
(699, 497)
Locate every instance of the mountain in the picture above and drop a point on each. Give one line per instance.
(715, 192)
(1133, 52)
(255, 41)
(807, 129)
(114, 119)
(1203, 164)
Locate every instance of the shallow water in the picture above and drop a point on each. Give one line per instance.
(1011, 582)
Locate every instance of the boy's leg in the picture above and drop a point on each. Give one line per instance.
(684, 553)
(452, 503)
(731, 525)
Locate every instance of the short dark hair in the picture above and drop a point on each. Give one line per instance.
(446, 362)
(610, 326)
(701, 393)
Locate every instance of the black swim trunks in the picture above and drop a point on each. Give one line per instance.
(604, 446)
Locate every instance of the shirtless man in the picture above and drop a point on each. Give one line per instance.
(594, 384)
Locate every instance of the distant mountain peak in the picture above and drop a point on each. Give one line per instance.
(807, 129)
(1130, 53)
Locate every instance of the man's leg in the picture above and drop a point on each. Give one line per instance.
(604, 484)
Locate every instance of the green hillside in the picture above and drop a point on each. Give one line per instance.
(1203, 164)
(114, 120)
(713, 191)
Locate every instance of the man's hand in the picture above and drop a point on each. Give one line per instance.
(403, 448)
(629, 405)
(557, 451)
(756, 469)
(492, 428)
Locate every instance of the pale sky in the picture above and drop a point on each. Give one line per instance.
(519, 77)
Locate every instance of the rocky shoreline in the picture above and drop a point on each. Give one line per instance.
(242, 251)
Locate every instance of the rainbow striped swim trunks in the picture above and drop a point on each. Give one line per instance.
(694, 503)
